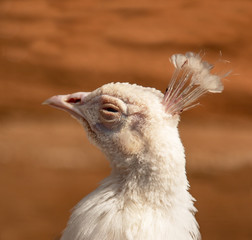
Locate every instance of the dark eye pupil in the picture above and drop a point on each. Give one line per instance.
(109, 109)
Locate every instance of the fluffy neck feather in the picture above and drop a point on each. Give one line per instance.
(145, 197)
(156, 175)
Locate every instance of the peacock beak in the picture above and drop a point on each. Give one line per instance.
(69, 103)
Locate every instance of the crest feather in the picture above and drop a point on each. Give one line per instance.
(191, 79)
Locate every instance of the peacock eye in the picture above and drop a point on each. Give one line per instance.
(110, 109)
(110, 113)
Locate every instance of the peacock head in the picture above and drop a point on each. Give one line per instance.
(118, 116)
(125, 119)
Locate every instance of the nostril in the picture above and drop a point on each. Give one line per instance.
(73, 100)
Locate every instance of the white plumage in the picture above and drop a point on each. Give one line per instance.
(146, 196)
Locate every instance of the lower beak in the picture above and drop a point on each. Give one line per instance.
(69, 103)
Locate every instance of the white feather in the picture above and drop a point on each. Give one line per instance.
(191, 79)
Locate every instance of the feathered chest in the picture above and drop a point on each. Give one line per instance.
(106, 215)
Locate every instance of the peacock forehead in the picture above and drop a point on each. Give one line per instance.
(132, 93)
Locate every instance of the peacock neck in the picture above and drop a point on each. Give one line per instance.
(153, 178)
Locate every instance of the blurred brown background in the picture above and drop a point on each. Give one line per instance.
(58, 47)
